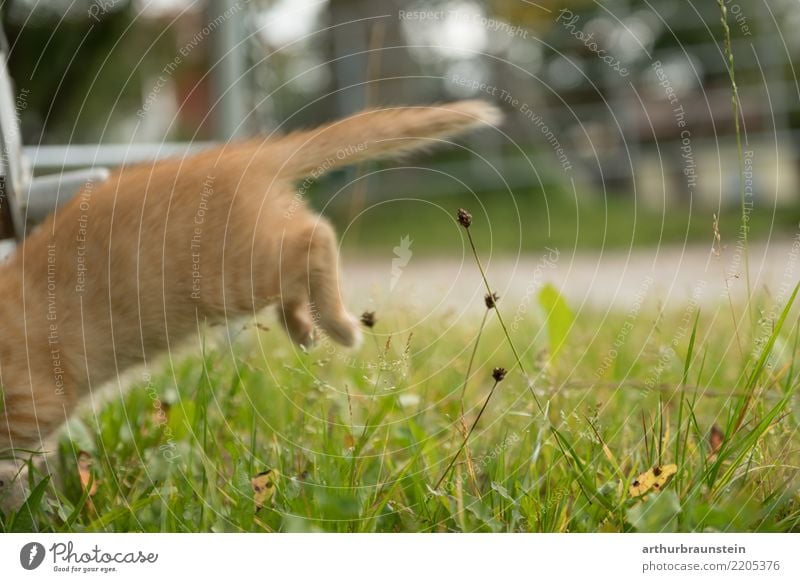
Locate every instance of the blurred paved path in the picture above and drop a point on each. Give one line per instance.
(672, 276)
(613, 279)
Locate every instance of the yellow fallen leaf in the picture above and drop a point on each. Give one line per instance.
(652, 479)
(664, 475)
(264, 485)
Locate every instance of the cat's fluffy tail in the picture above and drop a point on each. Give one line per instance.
(373, 134)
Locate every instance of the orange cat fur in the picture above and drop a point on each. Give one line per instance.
(132, 266)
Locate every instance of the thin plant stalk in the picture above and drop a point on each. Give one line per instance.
(466, 380)
(717, 249)
(472, 360)
(469, 434)
(502, 323)
(740, 152)
(368, 320)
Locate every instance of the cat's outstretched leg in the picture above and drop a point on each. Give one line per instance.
(316, 249)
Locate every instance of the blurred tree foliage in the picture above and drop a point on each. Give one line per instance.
(78, 72)
(531, 15)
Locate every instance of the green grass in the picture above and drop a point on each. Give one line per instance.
(359, 439)
(532, 221)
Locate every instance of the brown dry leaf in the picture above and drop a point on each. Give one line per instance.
(349, 441)
(264, 485)
(160, 413)
(85, 462)
(715, 439)
(653, 479)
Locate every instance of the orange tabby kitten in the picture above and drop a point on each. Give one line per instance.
(132, 266)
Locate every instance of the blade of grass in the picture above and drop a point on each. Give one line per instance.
(587, 487)
(755, 375)
(680, 452)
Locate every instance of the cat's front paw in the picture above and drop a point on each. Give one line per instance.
(344, 329)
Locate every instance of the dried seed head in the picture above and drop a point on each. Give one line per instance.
(491, 300)
(368, 319)
(715, 438)
(464, 218)
(498, 374)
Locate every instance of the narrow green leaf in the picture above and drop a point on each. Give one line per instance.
(559, 318)
(24, 518)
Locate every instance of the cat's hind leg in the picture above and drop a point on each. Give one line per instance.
(30, 415)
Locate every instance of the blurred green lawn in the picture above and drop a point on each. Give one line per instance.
(532, 221)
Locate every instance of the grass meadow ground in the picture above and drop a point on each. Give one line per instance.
(637, 420)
